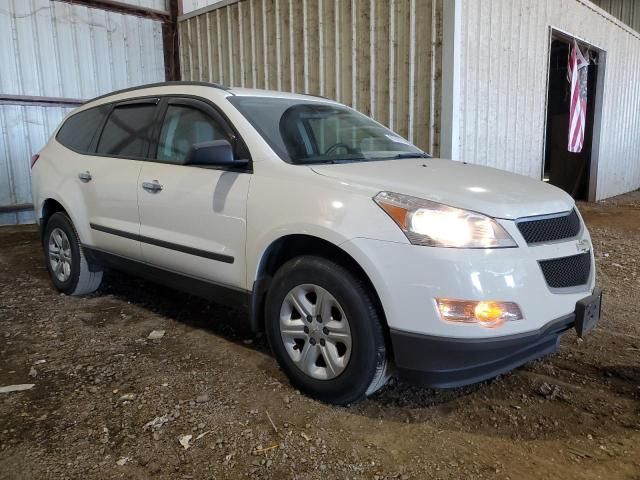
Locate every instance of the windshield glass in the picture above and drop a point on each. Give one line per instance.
(305, 132)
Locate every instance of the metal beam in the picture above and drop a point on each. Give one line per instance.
(451, 52)
(170, 45)
(35, 100)
(124, 8)
(21, 207)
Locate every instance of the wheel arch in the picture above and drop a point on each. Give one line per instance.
(291, 246)
(49, 207)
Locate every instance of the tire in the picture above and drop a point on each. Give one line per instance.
(340, 374)
(70, 273)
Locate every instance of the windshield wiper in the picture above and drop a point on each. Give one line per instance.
(407, 155)
(332, 161)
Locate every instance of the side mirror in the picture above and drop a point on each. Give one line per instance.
(215, 153)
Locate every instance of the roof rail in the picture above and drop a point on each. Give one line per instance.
(160, 84)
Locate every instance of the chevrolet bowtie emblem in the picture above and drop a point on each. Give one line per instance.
(583, 246)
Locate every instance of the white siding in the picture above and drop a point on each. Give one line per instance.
(55, 49)
(155, 4)
(191, 5)
(380, 56)
(23, 130)
(505, 49)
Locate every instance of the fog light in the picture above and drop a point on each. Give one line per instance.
(487, 313)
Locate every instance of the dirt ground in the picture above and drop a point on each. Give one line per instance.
(100, 383)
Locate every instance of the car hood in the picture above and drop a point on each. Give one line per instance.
(496, 193)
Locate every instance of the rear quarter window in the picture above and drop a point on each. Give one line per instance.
(78, 130)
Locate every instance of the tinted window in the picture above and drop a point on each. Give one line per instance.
(127, 131)
(183, 126)
(79, 129)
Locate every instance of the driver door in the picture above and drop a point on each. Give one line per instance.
(193, 218)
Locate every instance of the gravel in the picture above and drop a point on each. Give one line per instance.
(111, 402)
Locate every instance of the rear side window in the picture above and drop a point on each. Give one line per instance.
(127, 131)
(183, 126)
(80, 128)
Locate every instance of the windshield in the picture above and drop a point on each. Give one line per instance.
(306, 132)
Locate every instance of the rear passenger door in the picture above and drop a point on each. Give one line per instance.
(193, 219)
(110, 177)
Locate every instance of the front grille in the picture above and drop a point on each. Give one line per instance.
(557, 227)
(567, 271)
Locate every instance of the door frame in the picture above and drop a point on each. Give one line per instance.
(558, 33)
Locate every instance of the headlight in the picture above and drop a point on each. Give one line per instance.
(436, 225)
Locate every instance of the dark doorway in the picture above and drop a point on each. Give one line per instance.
(566, 170)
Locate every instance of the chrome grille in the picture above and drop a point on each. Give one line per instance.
(567, 271)
(550, 229)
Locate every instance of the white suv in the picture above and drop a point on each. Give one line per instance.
(352, 249)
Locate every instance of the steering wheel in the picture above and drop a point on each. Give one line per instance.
(335, 146)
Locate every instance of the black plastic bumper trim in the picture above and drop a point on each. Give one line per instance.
(161, 243)
(443, 362)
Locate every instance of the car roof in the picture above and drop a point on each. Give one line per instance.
(229, 91)
(256, 92)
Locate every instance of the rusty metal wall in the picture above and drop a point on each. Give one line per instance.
(380, 56)
(627, 11)
(504, 72)
(55, 49)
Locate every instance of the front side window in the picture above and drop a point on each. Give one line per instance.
(127, 131)
(306, 132)
(184, 126)
(79, 129)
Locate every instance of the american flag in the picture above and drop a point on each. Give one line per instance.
(577, 77)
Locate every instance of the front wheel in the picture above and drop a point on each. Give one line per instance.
(325, 332)
(67, 265)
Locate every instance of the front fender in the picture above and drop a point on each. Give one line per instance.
(294, 200)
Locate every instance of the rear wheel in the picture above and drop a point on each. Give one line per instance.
(325, 332)
(67, 265)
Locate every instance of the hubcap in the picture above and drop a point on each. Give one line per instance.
(60, 254)
(315, 331)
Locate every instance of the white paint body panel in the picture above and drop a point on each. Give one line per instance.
(197, 208)
(111, 200)
(493, 192)
(408, 278)
(242, 214)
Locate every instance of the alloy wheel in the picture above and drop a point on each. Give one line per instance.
(60, 257)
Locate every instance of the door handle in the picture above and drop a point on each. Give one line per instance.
(85, 176)
(152, 187)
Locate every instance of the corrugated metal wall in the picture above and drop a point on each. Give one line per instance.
(504, 86)
(155, 4)
(380, 56)
(56, 49)
(25, 129)
(628, 11)
(61, 50)
(191, 5)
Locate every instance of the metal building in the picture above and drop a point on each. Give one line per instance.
(472, 80)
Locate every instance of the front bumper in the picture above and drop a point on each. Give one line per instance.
(408, 279)
(441, 362)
